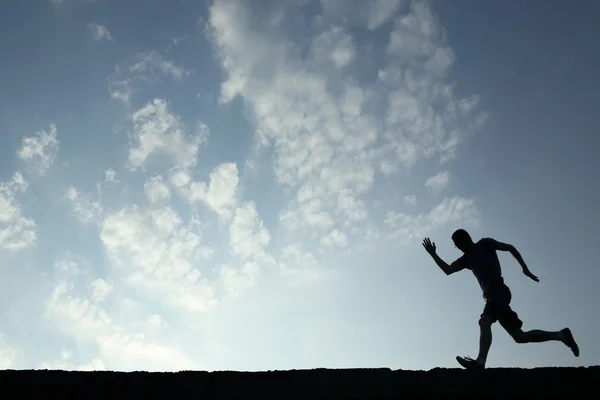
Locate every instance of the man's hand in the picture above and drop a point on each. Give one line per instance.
(528, 274)
(448, 269)
(429, 246)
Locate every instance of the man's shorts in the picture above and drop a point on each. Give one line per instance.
(497, 308)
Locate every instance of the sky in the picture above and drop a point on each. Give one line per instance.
(222, 185)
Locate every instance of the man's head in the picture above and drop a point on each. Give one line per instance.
(462, 240)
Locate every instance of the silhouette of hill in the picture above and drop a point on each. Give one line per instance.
(300, 384)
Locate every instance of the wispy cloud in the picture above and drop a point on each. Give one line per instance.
(152, 61)
(99, 32)
(65, 363)
(86, 320)
(120, 89)
(84, 208)
(110, 176)
(8, 354)
(17, 232)
(40, 150)
(409, 228)
(410, 199)
(157, 130)
(438, 182)
(147, 67)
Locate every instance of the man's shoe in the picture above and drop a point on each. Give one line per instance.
(469, 363)
(569, 340)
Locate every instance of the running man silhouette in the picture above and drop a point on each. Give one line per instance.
(482, 260)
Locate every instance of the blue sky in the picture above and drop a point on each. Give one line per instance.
(245, 185)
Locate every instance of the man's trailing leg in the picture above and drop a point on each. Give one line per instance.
(539, 336)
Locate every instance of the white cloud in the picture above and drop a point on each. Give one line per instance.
(16, 231)
(155, 322)
(100, 289)
(83, 314)
(110, 176)
(65, 363)
(99, 32)
(40, 150)
(118, 347)
(371, 14)
(336, 46)
(410, 199)
(157, 255)
(438, 182)
(120, 89)
(67, 267)
(156, 190)
(220, 194)
(381, 11)
(147, 67)
(248, 240)
(152, 61)
(247, 235)
(134, 352)
(18, 183)
(8, 354)
(237, 281)
(157, 131)
(84, 208)
(300, 267)
(335, 238)
(307, 217)
(95, 365)
(452, 211)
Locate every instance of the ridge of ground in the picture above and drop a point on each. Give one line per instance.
(380, 383)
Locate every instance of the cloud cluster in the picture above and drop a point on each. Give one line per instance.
(17, 232)
(38, 154)
(330, 141)
(439, 181)
(142, 69)
(84, 318)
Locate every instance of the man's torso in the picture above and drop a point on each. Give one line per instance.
(483, 261)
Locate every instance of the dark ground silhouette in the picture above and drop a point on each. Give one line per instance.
(380, 383)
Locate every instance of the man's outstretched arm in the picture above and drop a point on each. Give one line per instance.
(444, 266)
(515, 253)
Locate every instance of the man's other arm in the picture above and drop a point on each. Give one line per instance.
(515, 253)
(512, 250)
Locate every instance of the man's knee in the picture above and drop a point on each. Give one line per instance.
(518, 335)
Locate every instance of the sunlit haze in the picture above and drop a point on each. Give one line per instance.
(245, 185)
